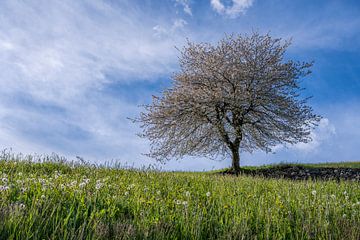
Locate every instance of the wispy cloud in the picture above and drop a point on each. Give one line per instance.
(186, 6)
(170, 31)
(233, 10)
(59, 55)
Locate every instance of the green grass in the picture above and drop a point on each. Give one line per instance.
(58, 200)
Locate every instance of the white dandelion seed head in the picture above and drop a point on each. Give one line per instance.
(3, 188)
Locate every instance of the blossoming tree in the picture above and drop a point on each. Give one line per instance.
(238, 95)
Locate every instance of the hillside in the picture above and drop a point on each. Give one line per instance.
(59, 200)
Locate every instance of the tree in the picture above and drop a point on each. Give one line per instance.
(239, 95)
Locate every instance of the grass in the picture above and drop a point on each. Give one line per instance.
(54, 199)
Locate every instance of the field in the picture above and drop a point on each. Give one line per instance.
(54, 199)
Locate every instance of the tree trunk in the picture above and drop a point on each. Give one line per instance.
(235, 160)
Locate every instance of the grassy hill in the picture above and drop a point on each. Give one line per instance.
(59, 200)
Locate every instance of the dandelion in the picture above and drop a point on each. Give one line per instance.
(208, 194)
(98, 185)
(313, 192)
(73, 183)
(3, 188)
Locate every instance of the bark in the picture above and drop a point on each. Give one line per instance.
(235, 160)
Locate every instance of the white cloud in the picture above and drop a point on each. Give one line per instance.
(70, 46)
(186, 6)
(178, 24)
(237, 7)
(170, 31)
(59, 54)
(324, 131)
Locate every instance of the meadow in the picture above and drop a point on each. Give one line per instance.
(51, 198)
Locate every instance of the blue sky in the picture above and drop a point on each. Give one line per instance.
(73, 71)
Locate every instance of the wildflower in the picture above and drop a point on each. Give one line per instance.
(357, 203)
(42, 197)
(98, 185)
(3, 188)
(81, 185)
(333, 196)
(158, 192)
(178, 202)
(187, 193)
(346, 197)
(185, 203)
(126, 193)
(344, 215)
(208, 194)
(313, 192)
(20, 173)
(345, 193)
(86, 180)
(73, 183)
(5, 180)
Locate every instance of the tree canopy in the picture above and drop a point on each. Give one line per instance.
(238, 95)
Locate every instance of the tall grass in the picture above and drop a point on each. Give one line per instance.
(59, 200)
